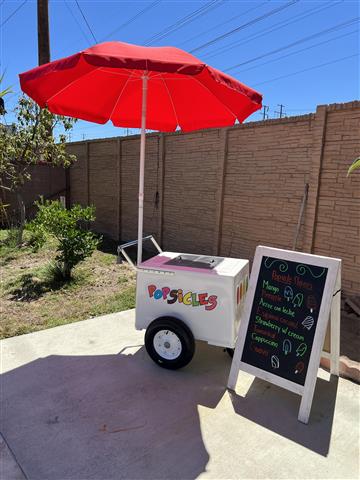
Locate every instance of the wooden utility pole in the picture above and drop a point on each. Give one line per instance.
(265, 112)
(281, 112)
(43, 31)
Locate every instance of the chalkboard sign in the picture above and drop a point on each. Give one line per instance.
(284, 317)
(283, 326)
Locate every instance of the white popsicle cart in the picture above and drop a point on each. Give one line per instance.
(181, 298)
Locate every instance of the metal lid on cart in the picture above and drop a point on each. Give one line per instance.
(203, 264)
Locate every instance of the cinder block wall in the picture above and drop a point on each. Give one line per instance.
(45, 180)
(266, 170)
(337, 226)
(225, 191)
(191, 183)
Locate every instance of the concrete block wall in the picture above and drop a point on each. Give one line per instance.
(337, 227)
(47, 181)
(130, 153)
(266, 171)
(191, 164)
(225, 191)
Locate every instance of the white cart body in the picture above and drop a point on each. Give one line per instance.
(207, 293)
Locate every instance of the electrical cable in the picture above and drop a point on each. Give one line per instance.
(245, 25)
(13, 13)
(131, 20)
(184, 21)
(222, 23)
(87, 23)
(297, 51)
(307, 69)
(272, 28)
(78, 23)
(181, 22)
(297, 42)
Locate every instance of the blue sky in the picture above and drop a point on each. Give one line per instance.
(268, 40)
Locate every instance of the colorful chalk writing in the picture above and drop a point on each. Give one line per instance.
(283, 318)
(282, 265)
(301, 270)
(186, 298)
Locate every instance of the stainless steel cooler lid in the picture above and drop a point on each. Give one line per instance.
(195, 261)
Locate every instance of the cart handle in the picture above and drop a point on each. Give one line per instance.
(121, 249)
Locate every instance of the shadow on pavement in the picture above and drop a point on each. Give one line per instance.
(112, 416)
(277, 409)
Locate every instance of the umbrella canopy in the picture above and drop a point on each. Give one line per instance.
(159, 88)
(104, 83)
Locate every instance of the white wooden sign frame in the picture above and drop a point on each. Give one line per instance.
(330, 304)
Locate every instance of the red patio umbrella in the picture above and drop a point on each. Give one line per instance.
(158, 88)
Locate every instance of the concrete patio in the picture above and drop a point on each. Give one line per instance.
(84, 401)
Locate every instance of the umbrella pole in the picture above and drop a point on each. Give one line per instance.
(142, 168)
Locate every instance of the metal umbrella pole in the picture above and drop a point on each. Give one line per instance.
(142, 168)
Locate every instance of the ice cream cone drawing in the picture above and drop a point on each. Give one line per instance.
(288, 293)
(286, 346)
(275, 361)
(298, 300)
(301, 350)
(308, 322)
(299, 367)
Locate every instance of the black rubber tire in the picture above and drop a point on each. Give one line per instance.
(182, 331)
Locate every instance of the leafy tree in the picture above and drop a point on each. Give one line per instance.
(68, 227)
(4, 92)
(28, 142)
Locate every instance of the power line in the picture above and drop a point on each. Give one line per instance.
(184, 21)
(294, 53)
(273, 28)
(297, 42)
(245, 25)
(307, 69)
(131, 20)
(181, 22)
(299, 109)
(77, 22)
(223, 23)
(13, 13)
(87, 23)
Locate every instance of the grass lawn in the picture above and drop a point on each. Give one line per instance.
(32, 299)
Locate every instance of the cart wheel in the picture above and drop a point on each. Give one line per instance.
(230, 351)
(169, 342)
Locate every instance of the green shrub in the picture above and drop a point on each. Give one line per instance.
(75, 242)
(10, 239)
(35, 237)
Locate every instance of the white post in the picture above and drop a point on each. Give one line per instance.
(142, 168)
(335, 315)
